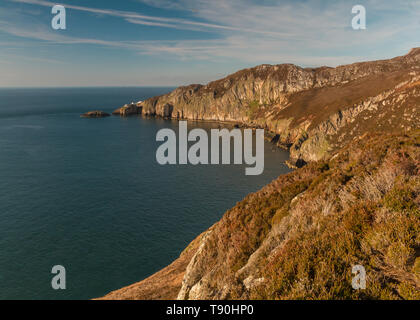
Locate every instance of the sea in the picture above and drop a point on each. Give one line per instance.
(89, 195)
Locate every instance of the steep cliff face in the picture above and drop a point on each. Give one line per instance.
(355, 203)
(316, 111)
(300, 236)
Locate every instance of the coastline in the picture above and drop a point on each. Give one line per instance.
(269, 135)
(212, 267)
(312, 138)
(210, 159)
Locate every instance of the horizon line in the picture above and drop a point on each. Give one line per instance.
(81, 87)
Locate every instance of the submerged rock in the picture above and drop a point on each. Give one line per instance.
(95, 114)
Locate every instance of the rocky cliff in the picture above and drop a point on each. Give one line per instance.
(312, 111)
(357, 201)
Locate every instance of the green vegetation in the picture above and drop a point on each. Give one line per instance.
(253, 109)
(308, 228)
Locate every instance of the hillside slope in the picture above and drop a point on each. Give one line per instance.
(313, 111)
(298, 237)
(356, 201)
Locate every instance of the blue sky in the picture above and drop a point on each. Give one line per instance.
(170, 43)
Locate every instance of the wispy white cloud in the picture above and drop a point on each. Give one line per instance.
(308, 33)
(138, 18)
(150, 23)
(43, 34)
(9, 58)
(318, 32)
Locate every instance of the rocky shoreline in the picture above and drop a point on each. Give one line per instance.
(358, 185)
(312, 112)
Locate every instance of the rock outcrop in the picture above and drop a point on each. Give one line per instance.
(314, 111)
(95, 114)
(129, 109)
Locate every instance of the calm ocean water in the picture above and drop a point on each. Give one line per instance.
(88, 194)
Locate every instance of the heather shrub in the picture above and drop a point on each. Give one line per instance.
(301, 234)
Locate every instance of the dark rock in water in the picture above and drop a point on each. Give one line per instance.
(295, 164)
(167, 110)
(300, 163)
(275, 139)
(95, 114)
